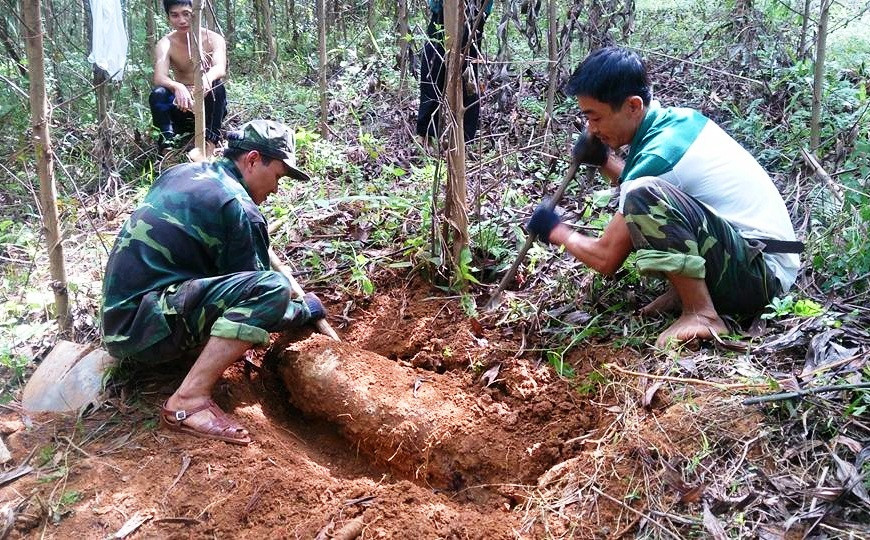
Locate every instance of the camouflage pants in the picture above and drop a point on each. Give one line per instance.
(245, 306)
(674, 233)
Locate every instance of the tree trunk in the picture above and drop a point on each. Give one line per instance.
(553, 54)
(321, 68)
(103, 151)
(198, 97)
(268, 34)
(9, 45)
(455, 206)
(44, 159)
(819, 76)
(805, 26)
(503, 58)
(370, 26)
(150, 29)
(210, 21)
(402, 42)
(230, 34)
(294, 28)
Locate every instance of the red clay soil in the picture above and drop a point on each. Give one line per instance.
(301, 477)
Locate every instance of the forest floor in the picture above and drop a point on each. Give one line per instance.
(300, 478)
(628, 454)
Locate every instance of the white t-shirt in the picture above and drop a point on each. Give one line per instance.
(688, 150)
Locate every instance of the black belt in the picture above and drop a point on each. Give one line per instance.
(768, 245)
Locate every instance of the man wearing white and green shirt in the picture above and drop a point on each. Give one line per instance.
(697, 207)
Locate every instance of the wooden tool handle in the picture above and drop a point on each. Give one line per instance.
(495, 299)
(322, 326)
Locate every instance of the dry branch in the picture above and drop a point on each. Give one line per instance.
(804, 392)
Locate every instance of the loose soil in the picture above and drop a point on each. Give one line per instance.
(320, 466)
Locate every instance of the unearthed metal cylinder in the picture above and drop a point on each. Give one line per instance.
(420, 424)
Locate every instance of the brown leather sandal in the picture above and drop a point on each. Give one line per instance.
(220, 427)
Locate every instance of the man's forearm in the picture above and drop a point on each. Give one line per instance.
(167, 82)
(214, 74)
(584, 248)
(604, 254)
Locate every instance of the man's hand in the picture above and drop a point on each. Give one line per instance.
(183, 98)
(590, 150)
(206, 84)
(543, 221)
(315, 306)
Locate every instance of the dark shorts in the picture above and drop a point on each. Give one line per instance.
(673, 232)
(246, 306)
(171, 121)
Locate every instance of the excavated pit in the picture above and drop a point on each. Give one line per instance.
(423, 426)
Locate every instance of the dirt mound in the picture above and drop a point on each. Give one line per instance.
(488, 442)
(435, 429)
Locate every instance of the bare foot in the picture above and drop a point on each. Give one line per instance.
(668, 302)
(692, 326)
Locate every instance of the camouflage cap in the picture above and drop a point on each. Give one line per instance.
(271, 139)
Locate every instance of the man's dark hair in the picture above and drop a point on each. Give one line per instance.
(234, 154)
(610, 75)
(170, 3)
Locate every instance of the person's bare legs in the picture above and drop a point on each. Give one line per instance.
(217, 355)
(699, 319)
(667, 302)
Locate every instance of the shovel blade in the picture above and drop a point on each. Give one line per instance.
(70, 377)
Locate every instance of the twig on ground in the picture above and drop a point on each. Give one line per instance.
(719, 386)
(648, 518)
(185, 463)
(804, 392)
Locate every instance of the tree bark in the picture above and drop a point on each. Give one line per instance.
(198, 97)
(210, 22)
(291, 15)
(805, 26)
(819, 76)
(150, 29)
(44, 159)
(269, 35)
(503, 58)
(231, 24)
(455, 206)
(103, 151)
(321, 68)
(402, 41)
(11, 49)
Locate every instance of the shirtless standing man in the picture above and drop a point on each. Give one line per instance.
(171, 101)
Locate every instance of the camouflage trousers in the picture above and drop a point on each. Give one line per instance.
(673, 233)
(245, 306)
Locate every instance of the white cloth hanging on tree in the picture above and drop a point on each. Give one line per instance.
(109, 47)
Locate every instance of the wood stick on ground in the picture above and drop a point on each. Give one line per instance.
(322, 325)
(804, 392)
(718, 386)
(835, 188)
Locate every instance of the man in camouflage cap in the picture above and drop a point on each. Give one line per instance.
(189, 273)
